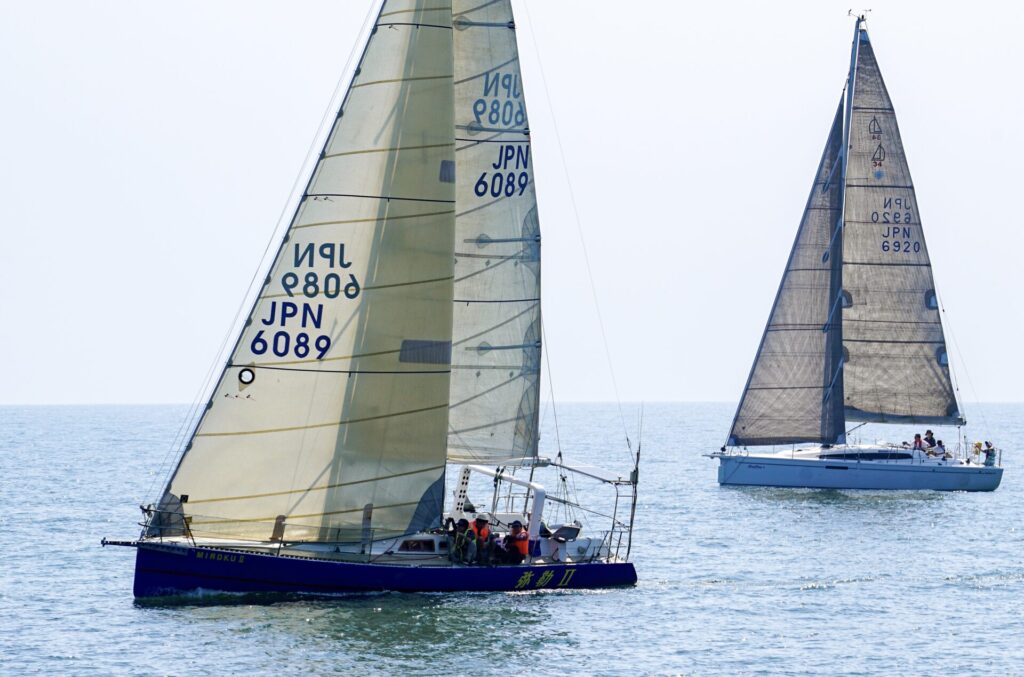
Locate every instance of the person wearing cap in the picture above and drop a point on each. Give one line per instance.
(462, 543)
(990, 454)
(929, 438)
(482, 530)
(517, 544)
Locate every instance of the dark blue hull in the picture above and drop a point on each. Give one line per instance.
(164, 570)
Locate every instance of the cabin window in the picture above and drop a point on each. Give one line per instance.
(416, 545)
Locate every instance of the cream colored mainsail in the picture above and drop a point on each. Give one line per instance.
(334, 405)
(497, 332)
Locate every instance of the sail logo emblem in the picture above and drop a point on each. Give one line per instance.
(879, 157)
(875, 129)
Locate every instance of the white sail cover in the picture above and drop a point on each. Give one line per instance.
(496, 347)
(787, 394)
(332, 413)
(896, 367)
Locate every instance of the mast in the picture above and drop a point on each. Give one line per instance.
(833, 381)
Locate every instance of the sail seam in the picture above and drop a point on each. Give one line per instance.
(309, 514)
(534, 300)
(489, 70)
(404, 23)
(381, 197)
(322, 487)
(325, 425)
(369, 287)
(394, 80)
(372, 219)
(441, 8)
(341, 371)
(389, 150)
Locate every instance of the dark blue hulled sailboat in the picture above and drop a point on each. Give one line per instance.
(395, 337)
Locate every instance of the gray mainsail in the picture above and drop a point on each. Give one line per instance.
(896, 366)
(787, 397)
(855, 332)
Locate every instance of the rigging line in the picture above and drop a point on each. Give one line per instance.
(312, 156)
(579, 227)
(963, 364)
(551, 386)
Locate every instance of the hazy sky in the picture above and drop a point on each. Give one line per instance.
(148, 149)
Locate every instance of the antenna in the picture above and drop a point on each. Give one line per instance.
(863, 16)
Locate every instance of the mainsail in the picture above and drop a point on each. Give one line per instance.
(896, 366)
(787, 395)
(497, 332)
(855, 332)
(332, 413)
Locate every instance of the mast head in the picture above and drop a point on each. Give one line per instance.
(861, 18)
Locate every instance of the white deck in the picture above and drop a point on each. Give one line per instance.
(855, 467)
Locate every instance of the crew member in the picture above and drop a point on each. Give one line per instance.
(481, 528)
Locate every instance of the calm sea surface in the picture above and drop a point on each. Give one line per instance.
(731, 580)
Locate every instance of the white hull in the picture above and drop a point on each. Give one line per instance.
(779, 471)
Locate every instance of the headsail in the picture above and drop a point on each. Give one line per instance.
(333, 408)
(788, 394)
(896, 367)
(496, 349)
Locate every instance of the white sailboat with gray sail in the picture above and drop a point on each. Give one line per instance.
(855, 334)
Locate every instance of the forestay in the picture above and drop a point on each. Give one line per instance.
(497, 323)
(788, 394)
(896, 366)
(333, 408)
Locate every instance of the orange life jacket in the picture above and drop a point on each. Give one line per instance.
(521, 543)
(481, 533)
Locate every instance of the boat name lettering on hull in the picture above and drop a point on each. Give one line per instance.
(220, 557)
(544, 579)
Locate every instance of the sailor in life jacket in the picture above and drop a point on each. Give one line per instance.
(481, 528)
(518, 540)
(515, 545)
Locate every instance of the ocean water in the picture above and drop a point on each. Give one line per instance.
(731, 580)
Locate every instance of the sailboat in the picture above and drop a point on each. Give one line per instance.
(855, 334)
(391, 355)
